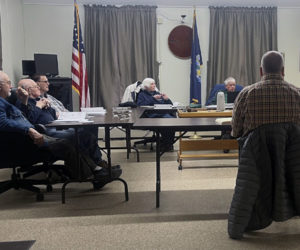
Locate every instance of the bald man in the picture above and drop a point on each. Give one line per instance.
(39, 111)
(20, 140)
(271, 100)
(36, 109)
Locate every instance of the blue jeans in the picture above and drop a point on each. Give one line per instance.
(88, 140)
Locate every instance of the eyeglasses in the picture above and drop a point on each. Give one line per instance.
(8, 82)
(44, 81)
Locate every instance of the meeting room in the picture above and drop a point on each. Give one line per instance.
(149, 124)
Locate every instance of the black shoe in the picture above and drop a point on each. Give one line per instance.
(102, 177)
(104, 164)
(116, 172)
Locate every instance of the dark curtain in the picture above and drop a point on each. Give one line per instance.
(120, 49)
(238, 37)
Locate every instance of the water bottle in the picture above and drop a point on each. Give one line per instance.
(220, 101)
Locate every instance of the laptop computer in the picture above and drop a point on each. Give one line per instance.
(231, 96)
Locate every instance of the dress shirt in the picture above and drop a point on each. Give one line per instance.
(272, 100)
(56, 104)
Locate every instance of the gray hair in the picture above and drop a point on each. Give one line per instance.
(272, 62)
(146, 83)
(2, 75)
(229, 79)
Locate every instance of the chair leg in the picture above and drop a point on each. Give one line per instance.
(29, 187)
(5, 186)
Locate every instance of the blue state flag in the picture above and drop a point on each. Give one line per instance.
(196, 62)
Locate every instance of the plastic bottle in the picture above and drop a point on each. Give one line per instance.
(220, 101)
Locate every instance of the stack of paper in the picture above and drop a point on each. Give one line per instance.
(227, 106)
(72, 117)
(94, 110)
(224, 121)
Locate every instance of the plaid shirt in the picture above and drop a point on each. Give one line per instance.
(272, 100)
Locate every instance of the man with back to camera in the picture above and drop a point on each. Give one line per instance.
(271, 100)
(267, 180)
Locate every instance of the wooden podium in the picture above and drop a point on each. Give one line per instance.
(203, 144)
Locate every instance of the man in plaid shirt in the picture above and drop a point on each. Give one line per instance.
(271, 100)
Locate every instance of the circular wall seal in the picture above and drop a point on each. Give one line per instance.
(180, 41)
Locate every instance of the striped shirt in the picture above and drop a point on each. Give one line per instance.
(272, 100)
(56, 104)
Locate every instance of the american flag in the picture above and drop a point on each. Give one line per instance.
(79, 75)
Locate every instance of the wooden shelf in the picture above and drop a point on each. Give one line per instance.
(205, 113)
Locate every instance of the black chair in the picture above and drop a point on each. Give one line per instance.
(22, 163)
(48, 165)
(18, 153)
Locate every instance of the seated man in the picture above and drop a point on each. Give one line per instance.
(39, 111)
(88, 136)
(43, 83)
(26, 138)
(148, 96)
(228, 86)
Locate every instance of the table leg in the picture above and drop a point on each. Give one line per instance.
(128, 141)
(107, 146)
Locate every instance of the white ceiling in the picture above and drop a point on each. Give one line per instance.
(186, 3)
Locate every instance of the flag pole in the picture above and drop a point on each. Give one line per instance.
(195, 136)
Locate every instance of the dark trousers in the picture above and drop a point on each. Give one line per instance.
(88, 140)
(19, 149)
(167, 135)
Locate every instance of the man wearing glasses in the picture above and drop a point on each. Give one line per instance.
(40, 111)
(43, 83)
(19, 135)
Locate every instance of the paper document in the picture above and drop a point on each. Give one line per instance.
(162, 106)
(94, 110)
(224, 121)
(227, 106)
(72, 117)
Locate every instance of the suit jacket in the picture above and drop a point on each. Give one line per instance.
(217, 88)
(36, 115)
(268, 179)
(145, 98)
(12, 119)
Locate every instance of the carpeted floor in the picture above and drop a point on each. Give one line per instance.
(192, 214)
